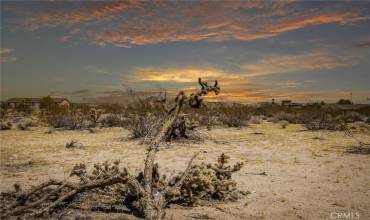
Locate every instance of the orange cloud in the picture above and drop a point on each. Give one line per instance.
(301, 22)
(6, 50)
(183, 75)
(128, 23)
(295, 63)
(6, 59)
(90, 13)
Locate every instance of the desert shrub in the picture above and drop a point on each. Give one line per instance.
(232, 121)
(110, 120)
(344, 102)
(256, 119)
(352, 116)
(3, 109)
(145, 125)
(86, 124)
(112, 108)
(269, 109)
(68, 122)
(322, 121)
(234, 115)
(284, 123)
(5, 125)
(286, 116)
(184, 128)
(208, 182)
(25, 123)
(73, 144)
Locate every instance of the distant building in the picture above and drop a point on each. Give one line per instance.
(35, 102)
(289, 103)
(295, 105)
(286, 102)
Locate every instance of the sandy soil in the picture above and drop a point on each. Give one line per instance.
(309, 174)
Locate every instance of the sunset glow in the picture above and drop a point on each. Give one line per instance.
(257, 50)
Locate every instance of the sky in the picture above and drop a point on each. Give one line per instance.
(112, 51)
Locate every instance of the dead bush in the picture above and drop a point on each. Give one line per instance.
(207, 182)
(110, 120)
(322, 121)
(232, 121)
(352, 116)
(286, 116)
(109, 188)
(145, 125)
(5, 125)
(67, 122)
(73, 144)
(25, 123)
(234, 115)
(256, 119)
(284, 123)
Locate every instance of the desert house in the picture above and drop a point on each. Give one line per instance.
(35, 102)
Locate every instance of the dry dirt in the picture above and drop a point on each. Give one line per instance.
(309, 174)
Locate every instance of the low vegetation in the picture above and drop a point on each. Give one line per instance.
(147, 193)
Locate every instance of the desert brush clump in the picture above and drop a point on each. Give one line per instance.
(352, 116)
(145, 125)
(234, 115)
(256, 119)
(146, 194)
(209, 182)
(322, 121)
(25, 123)
(283, 123)
(67, 122)
(361, 147)
(290, 117)
(111, 120)
(73, 144)
(108, 188)
(5, 125)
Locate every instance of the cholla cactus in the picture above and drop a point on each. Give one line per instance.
(5, 125)
(209, 182)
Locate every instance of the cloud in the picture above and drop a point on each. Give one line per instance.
(6, 50)
(98, 70)
(287, 84)
(81, 93)
(57, 15)
(363, 44)
(130, 23)
(310, 61)
(70, 34)
(7, 59)
(301, 22)
(182, 75)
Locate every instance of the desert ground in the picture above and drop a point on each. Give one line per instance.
(309, 174)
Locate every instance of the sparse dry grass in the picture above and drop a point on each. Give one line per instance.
(289, 157)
